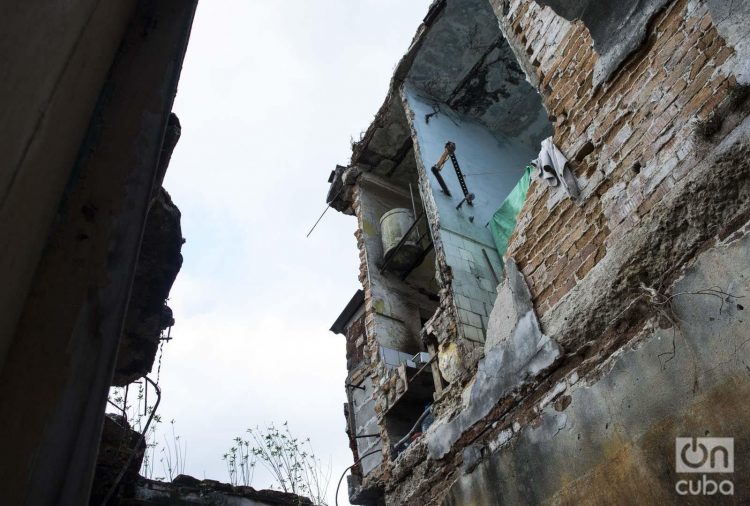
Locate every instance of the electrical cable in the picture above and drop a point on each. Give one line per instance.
(338, 485)
(328, 205)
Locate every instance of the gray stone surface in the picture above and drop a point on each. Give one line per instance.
(616, 27)
(624, 420)
(732, 19)
(465, 62)
(513, 301)
(516, 359)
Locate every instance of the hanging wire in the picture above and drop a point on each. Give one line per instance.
(336, 497)
(328, 205)
(161, 352)
(482, 174)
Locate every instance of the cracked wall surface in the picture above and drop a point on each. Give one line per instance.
(731, 19)
(575, 394)
(612, 438)
(87, 134)
(616, 28)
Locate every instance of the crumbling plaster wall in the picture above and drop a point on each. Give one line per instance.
(492, 166)
(629, 141)
(731, 20)
(701, 379)
(609, 437)
(391, 318)
(514, 355)
(616, 28)
(395, 303)
(661, 152)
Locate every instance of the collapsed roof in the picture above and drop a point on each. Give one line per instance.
(459, 59)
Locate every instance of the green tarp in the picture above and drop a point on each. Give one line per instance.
(504, 220)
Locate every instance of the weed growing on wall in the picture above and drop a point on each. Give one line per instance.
(240, 461)
(136, 414)
(173, 454)
(291, 462)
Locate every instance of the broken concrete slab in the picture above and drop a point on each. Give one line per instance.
(517, 357)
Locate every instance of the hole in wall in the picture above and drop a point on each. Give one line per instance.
(585, 150)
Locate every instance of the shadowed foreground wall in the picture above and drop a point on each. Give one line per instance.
(87, 92)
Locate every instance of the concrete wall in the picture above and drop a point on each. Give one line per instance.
(492, 166)
(56, 57)
(395, 304)
(610, 439)
(96, 81)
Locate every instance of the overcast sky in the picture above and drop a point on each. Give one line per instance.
(270, 96)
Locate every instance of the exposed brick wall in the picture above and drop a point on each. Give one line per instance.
(370, 348)
(355, 343)
(629, 141)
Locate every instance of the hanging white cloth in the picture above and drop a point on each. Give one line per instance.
(553, 168)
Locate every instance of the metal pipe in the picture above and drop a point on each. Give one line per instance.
(414, 210)
(336, 497)
(414, 429)
(141, 437)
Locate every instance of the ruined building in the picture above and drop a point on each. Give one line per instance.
(552, 210)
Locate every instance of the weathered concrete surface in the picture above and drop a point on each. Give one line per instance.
(464, 61)
(119, 441)
(55, 61)
(614, 442)
(148, 314)
(516, 358)
(54, 383)
(189, 491)
(513, 302)
(616, 27)
(732, 19)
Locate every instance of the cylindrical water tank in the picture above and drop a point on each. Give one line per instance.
(393, 226)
